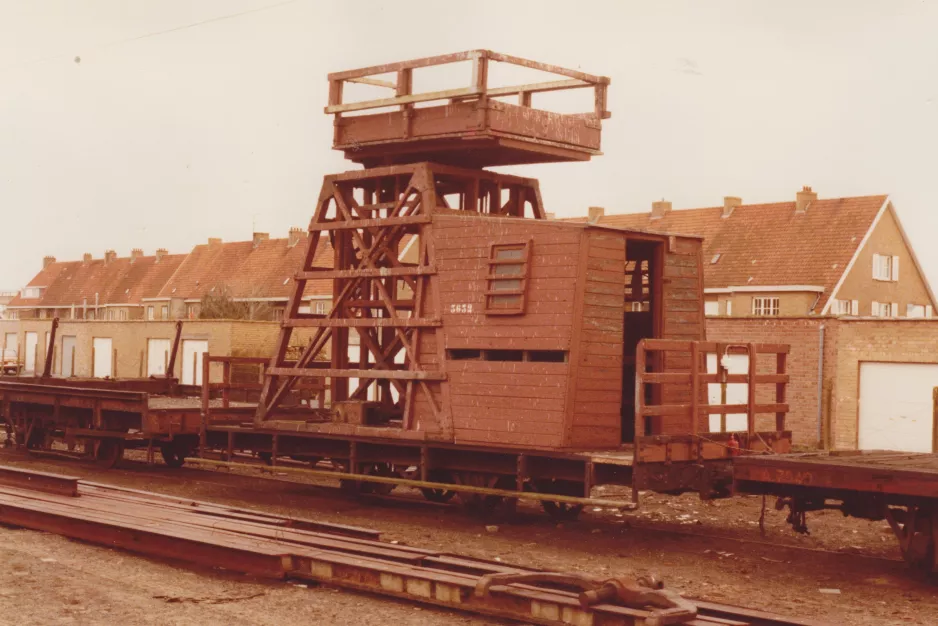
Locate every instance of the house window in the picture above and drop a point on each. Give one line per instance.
(507, 279)
(845, 307)
(884, 309)
(915, 310)
(321, 307)
(765, 306)
(712, 307)
(190, 311)
(122, 315)
(32, 292)
(151, 315)
(164, 312)
(885, 267)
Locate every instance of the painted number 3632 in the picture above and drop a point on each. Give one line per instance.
(460, 308)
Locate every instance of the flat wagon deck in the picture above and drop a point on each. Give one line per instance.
(899, 487)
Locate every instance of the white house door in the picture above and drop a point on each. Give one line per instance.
(30, 350)
(157, 356)
(68, 356)
(736, 393)
(193, 351)
(896, 406)
(102, 363)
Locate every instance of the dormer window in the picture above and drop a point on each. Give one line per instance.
(32, 292)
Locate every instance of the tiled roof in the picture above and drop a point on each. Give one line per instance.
(247, 271)
(118, 281)
(770, 244)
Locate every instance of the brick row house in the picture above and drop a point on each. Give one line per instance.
(117, 314)
(838, 280)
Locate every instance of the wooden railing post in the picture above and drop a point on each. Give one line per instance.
(694, 387)
(781, 368)
(640, 361)
(206, 403)
(751, 400)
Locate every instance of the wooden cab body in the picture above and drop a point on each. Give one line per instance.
(540, 324)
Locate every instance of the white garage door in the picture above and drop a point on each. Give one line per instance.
(30, 351)
(896, 406)
(157, 356)
(192, 353)
(103, 362)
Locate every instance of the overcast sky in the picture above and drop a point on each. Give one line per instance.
(115, 133)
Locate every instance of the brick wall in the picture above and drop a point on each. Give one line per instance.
(802, 335)
(856, 341)
(847, 343)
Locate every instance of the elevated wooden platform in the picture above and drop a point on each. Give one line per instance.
(468, 126)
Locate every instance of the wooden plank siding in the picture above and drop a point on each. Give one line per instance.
(506, 402)
(574, 302)
(595, 387)
(682, 294)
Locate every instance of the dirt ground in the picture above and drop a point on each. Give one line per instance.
(846, 572)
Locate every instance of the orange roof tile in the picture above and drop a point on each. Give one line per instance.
(247, 271)
(770, 244)
(119, 281)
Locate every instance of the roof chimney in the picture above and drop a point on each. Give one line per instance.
(804, 199)
(47, 261)
(296, 233)
(730, 203)
(214, 242)
(109, 255)
(135, 254)
(86, 258)
(260, 237)
(160, 253)
(596, 213)
(659, 209)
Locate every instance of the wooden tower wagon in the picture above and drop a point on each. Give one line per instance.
(461, 313)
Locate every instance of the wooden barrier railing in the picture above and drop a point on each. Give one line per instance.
(309, 389)
(681, 372)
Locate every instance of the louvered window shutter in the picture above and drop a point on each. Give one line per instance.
(895, 268)
(854, 307)
(894, 309)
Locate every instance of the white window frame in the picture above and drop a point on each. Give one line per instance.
(164, 312)
(151, 313)
(881, 309)
(765, 306)
(321, 307)
(711, 308)
(885, 268)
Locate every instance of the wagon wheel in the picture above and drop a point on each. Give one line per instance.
(438, 495)
(107, 452)
(477, 503)
(365, 488)
(174, 454)
(917, 531)
(378, 469)
(561, 511)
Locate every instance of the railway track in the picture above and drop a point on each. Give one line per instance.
(258, 543)
(407, 499)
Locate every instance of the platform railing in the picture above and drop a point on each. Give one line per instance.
(674, 374)
(478, 86)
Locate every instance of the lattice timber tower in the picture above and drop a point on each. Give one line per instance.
(380, 346)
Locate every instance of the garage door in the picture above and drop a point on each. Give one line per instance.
(192, 354)
(102, 362)
(30, 352)
(157, 356)
(896, 406)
